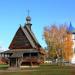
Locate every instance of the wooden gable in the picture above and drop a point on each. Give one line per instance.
(32, 36)
(20, 41)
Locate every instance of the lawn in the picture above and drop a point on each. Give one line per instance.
(3, 66)
(44, 70)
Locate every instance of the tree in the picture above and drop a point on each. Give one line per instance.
(55, 39)
(68, 52)
(50, 34)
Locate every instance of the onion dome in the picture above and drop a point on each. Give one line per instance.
(71, 28)
(28, 18)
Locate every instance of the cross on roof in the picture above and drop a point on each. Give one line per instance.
(28, 12)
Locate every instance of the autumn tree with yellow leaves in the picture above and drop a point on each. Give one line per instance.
(58, 40)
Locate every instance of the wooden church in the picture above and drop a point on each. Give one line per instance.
(24, 49)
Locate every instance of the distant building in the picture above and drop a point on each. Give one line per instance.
(72, 30)
(24, 49)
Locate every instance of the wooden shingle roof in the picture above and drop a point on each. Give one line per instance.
(28, 36)
(32, 34)
(25, 39)
(19, 52)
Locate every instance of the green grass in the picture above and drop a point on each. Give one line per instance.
(3, 66)
(15, 73)
(53, 70)
(44, 70)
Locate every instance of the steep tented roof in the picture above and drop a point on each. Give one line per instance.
(24, 39)
(29, 35)
(26, 32)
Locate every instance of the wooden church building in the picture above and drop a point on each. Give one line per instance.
(24, 49)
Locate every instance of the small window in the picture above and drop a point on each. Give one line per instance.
(26, 54)
(74, 49)
(34, 54)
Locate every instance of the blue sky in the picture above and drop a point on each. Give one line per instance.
(42, 12)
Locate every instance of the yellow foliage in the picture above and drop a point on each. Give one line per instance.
(68, 52)
(59, 41)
